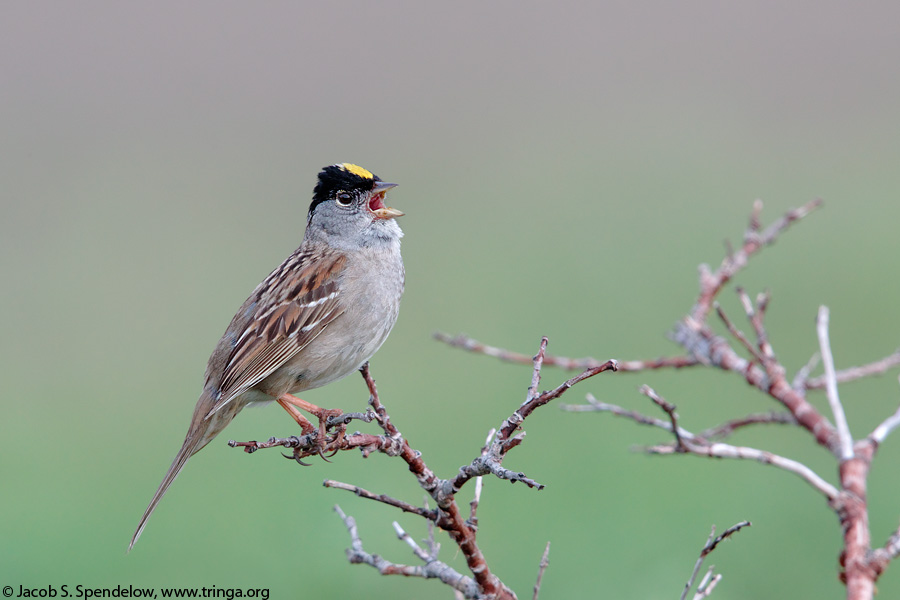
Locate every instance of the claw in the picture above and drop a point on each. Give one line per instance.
(297, 459)
(336, 441)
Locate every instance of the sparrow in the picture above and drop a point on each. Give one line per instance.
(316, 318)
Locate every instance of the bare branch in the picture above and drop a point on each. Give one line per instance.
(479, 483)
(800, 381)
(707, 584)
(669, 409)
(755, 316)
(712, 282)
(837, 409)
(698, 339)
(710, 545)
(545, 562)
(595, 405)
(469, 344)
(885, 428)
(687, 442)
(538, 362)
(727, 428)
(417, 550)
(718, 432)
(506, 437)
(739, 335)
(504, 440)
(893, 545)
(472, 345)
(672, 362)
(433, 569)
(431, 515)
(512, 423)
(726, 534)
(862, 565)
(490, 463)
(447, 516)
(720, 450)
(843, 376)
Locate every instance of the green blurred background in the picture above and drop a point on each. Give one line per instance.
(564, 168)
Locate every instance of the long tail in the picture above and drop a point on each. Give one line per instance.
(201, 432)
(187, 450)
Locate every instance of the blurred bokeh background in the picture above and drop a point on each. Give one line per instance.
(564, 168)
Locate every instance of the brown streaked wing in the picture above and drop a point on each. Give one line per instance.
(294, 305)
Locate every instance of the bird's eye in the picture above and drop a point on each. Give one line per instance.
(344, 198)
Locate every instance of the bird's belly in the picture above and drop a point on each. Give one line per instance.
(326, 359)
(354, 336)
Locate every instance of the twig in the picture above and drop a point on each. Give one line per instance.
(535, 402)
(506, 437)
(698, 339)
(470, 344)
(893, 545)
(885, 428)
(417, 550)
(721, 450)
(450, 519)
(479, 483)
(728, 427)
(537, 362)
(595, 405)
(432, 569)
(756, 316)
(431, 515)
(545, 562)
(717, 432)
(707, 584)
(712, 282)
(669, 409)
(726, 534)
(447, 515)
(698, 445)
(739, 335)
(843, 376)
(710, 545)
(837, 409)
(801, 379)
(671, 362)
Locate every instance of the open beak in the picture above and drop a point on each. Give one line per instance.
(376, 202)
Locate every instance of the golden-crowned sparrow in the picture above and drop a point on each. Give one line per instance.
(315, 319)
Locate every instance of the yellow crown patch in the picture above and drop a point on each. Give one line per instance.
(357, 170)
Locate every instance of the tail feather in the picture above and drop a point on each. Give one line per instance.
(187, 450)
(200, 433)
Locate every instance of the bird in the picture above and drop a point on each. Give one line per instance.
(316, 318)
